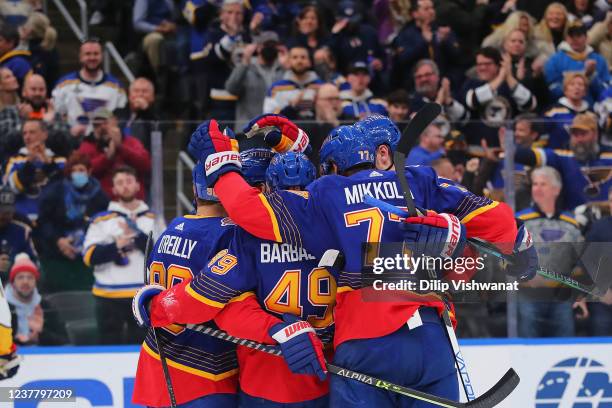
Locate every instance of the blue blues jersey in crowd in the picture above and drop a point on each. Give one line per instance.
(583, 181)
(201, 364)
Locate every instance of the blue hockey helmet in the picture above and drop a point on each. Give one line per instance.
(290, 170)
(346, 146)
(255, 163)
(381, 130)
(202, 191)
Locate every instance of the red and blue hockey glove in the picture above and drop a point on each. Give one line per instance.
(9, 365)
(217, 150)
(435, 235)
(524, 258)
(302, 349)
(280, 134)
(142, 300)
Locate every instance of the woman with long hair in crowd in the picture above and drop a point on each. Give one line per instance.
(552, 28)
(308, 30)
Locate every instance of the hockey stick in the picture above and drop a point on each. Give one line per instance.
(423, 118)
(162, 354)
(491, 398)
(488, 248)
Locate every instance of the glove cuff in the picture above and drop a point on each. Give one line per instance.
(216, 161)
(301, 142)
(291, 331)
(453, 238)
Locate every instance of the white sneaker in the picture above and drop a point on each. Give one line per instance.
(96, 18)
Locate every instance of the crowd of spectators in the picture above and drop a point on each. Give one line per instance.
(538, 72)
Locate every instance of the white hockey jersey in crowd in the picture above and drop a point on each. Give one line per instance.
(77, 98)
(116, 279)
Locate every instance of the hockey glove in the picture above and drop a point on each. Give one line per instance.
(217, 150)
(435, 235)
(9, 365)
(280, 134)
(302, 349)
(525, 257)
(141, 301)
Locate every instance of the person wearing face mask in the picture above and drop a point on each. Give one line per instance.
(66, 207)
(253, 75)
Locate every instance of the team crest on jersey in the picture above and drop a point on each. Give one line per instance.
(180, 226)
(375, 174)
(227, 221)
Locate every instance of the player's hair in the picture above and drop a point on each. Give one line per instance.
(490, 53)
(124, 169)
(550, 173)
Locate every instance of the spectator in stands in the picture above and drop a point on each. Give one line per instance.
(15, 236)
(153, 19)
(22, 294)
(552, 28)
(358, 101)
(40, 38)
(585, 12)
(398, 105)
(428, 87)
(517, 20)
(544, 306)
(293, 96)
(10, 56)
(327, 109)
(35, 105)
(422, 38)
(326, 67)
(9, 113)
(114, 245)
(430, 147)
(391, 17)
(527, 130)
(600, 38)
(586, 170)
(445, 169)
(494, 97)
(79, 93)
(253, 76)
(108, 148)
(29, 172)
(353, 40)
(575, 55)
(226, 40)
(308, 30)
(600, 235)
(65, 210)
(527, 70)
(141, 111)
(560, 116)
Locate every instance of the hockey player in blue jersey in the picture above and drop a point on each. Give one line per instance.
(332, 215)
(203, 370)
(288, 284)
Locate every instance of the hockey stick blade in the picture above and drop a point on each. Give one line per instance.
(423, 118)
(498, 392)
